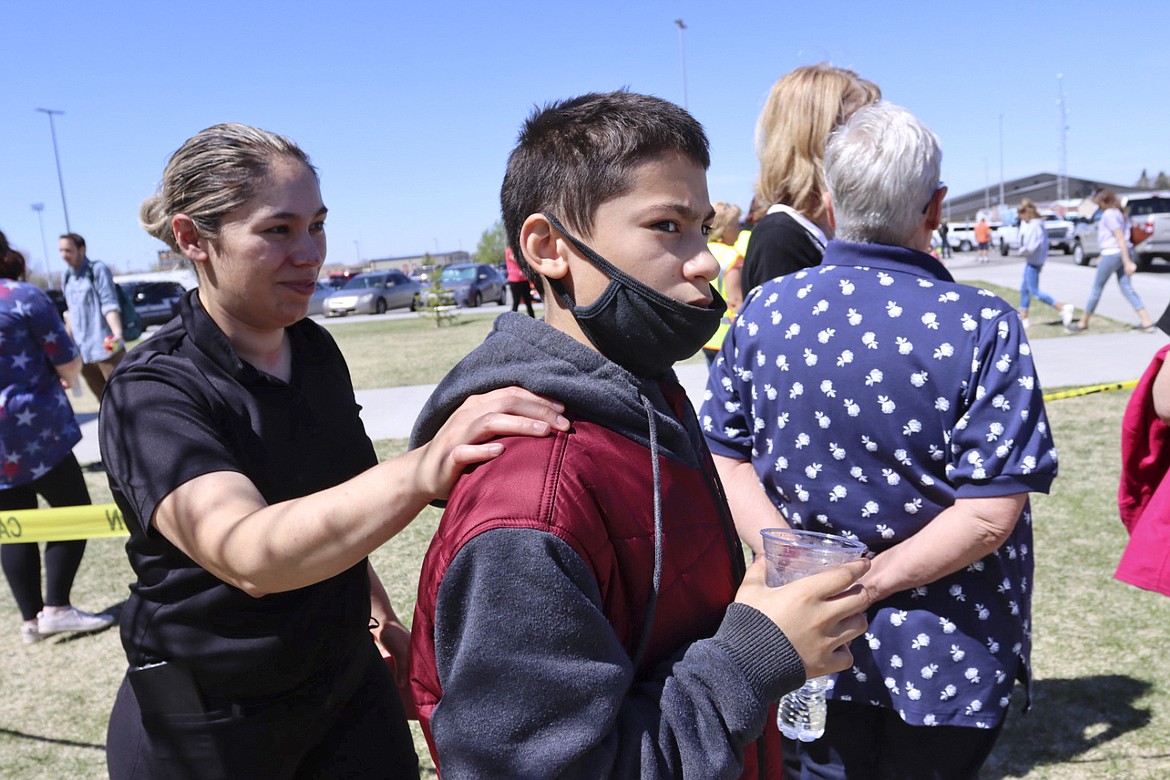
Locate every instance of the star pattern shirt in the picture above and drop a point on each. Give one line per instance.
(869, 393)
(37, 426)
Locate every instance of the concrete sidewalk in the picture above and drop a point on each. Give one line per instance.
(1081, 359)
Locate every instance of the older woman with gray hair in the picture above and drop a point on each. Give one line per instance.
(874, 397)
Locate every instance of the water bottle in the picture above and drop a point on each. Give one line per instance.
(801, 714)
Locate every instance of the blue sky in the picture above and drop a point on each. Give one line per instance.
(409, 110)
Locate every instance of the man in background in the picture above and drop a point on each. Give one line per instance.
(94, 318)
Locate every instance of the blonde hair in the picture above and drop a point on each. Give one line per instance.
(213, 173)
(1106, 198)
(804, 106)
(726, 216)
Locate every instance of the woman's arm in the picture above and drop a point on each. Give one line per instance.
(751, 509)
(221, 521)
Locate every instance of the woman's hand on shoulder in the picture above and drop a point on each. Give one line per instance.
(467, 436)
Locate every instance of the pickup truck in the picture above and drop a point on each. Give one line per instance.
(1149, 217)
(1061, 235)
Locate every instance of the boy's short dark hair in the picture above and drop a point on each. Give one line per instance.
(572, 155)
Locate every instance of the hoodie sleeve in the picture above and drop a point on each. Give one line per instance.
(550, 691)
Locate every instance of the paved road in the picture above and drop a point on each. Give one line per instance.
(1082, 359)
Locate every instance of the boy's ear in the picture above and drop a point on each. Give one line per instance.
(190, 242)
(542, 249)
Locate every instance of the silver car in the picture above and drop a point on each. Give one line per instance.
(373, 293)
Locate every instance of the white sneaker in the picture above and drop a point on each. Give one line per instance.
(30, 635)
(1026, 323)
(72, 620)
(1066, 314)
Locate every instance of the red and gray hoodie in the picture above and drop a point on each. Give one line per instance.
(575, 614)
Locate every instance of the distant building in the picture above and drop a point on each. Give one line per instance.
(410, 262)
(1041, 188)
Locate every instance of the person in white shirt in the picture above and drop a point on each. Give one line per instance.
(1034, 248)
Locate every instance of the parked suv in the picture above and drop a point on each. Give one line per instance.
(156, 302)
(1149, 218)
(1061, 235)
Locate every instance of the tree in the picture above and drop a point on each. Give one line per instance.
(1143, 182)
(1162, 182)
(490, 250)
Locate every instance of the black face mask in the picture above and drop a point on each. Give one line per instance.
(635, 326)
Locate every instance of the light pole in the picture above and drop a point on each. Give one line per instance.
(682, 55)
(1001, 203)
(986, 187)
(1062, 176)
(39, 209)
(60, 181)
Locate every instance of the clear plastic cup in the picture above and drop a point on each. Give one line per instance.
(792, 553)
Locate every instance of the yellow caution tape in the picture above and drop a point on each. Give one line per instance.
(62, 524)
(1090, 389)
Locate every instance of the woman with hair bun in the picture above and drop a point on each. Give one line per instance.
(253, 495)
(803, 108)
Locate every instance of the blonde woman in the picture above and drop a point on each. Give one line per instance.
(804, 107)
(722, 241)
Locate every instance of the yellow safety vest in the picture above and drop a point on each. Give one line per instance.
(727, 257)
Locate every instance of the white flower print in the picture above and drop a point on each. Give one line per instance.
(921, 641)
(782, 420)
(845, 358)
(948, 693)
(928, 671)
(796, 390)
(988, 313)
(804, 291)
(838, 493)
(974, 707)
(826, 334)
(732, 433)
(892, 477)
(801, 493)
(929, 720)
(854, 317)
(912, 506)
(820, 307)
(870, 509)
(782, 362)
(802, 441)
(873, 642)
(884, 531)
(812, 470)
(770, 392)
(982, 612)
(869, 339)
(781, 463)
(941, 404)
(836, 451)
(968, 322)
(972, 674)
(887, 404)
(847, 287)
(753, 328)
(893, 309)
(904, 345)
(944, 350)
(912, 693)
(898, 617)
(957, 653)
(924, 282)
(777, 316)
(793, 331)
(851, 408)
(948, 297)
(810, 357)
(895, 661)
(1004, 363)
(1028, 465)
(956, 592)
(936, 452)
(870, 444)
(827, 388)
(992, 645)
(892, 684)
(1001, 403)
(902, 457)
(873, 377)
(918, 378)
(858, 474)
(771, 299)
(930, 320)
(885, 279)
(911, 427)
(1027, 382)
(994, 431)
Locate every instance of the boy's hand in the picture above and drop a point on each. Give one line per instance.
(819, 614)
(465, 438)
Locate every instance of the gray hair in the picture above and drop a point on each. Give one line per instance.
(213, 173)
(882, 168)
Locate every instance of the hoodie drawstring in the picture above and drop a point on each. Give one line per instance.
(652, 602)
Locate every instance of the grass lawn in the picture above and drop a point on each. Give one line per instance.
(1100, 709)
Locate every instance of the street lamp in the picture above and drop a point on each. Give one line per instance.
(60, 181)
(1001, 203)
(682, 55)
(39, 209)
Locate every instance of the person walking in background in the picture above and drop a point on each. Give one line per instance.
(802, 109)
(944, 245)
(94, 318)
(253, 495)
(983, 238)
(1034, 248)
(37, 434)
(518, 283)
(722, 241)
(1116, 260)
(874, 397)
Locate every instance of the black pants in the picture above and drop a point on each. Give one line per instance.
(63, 486)
(521, 292)
(332, 729)
(862, 742)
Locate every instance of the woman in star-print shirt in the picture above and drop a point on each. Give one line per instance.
(37, 434)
